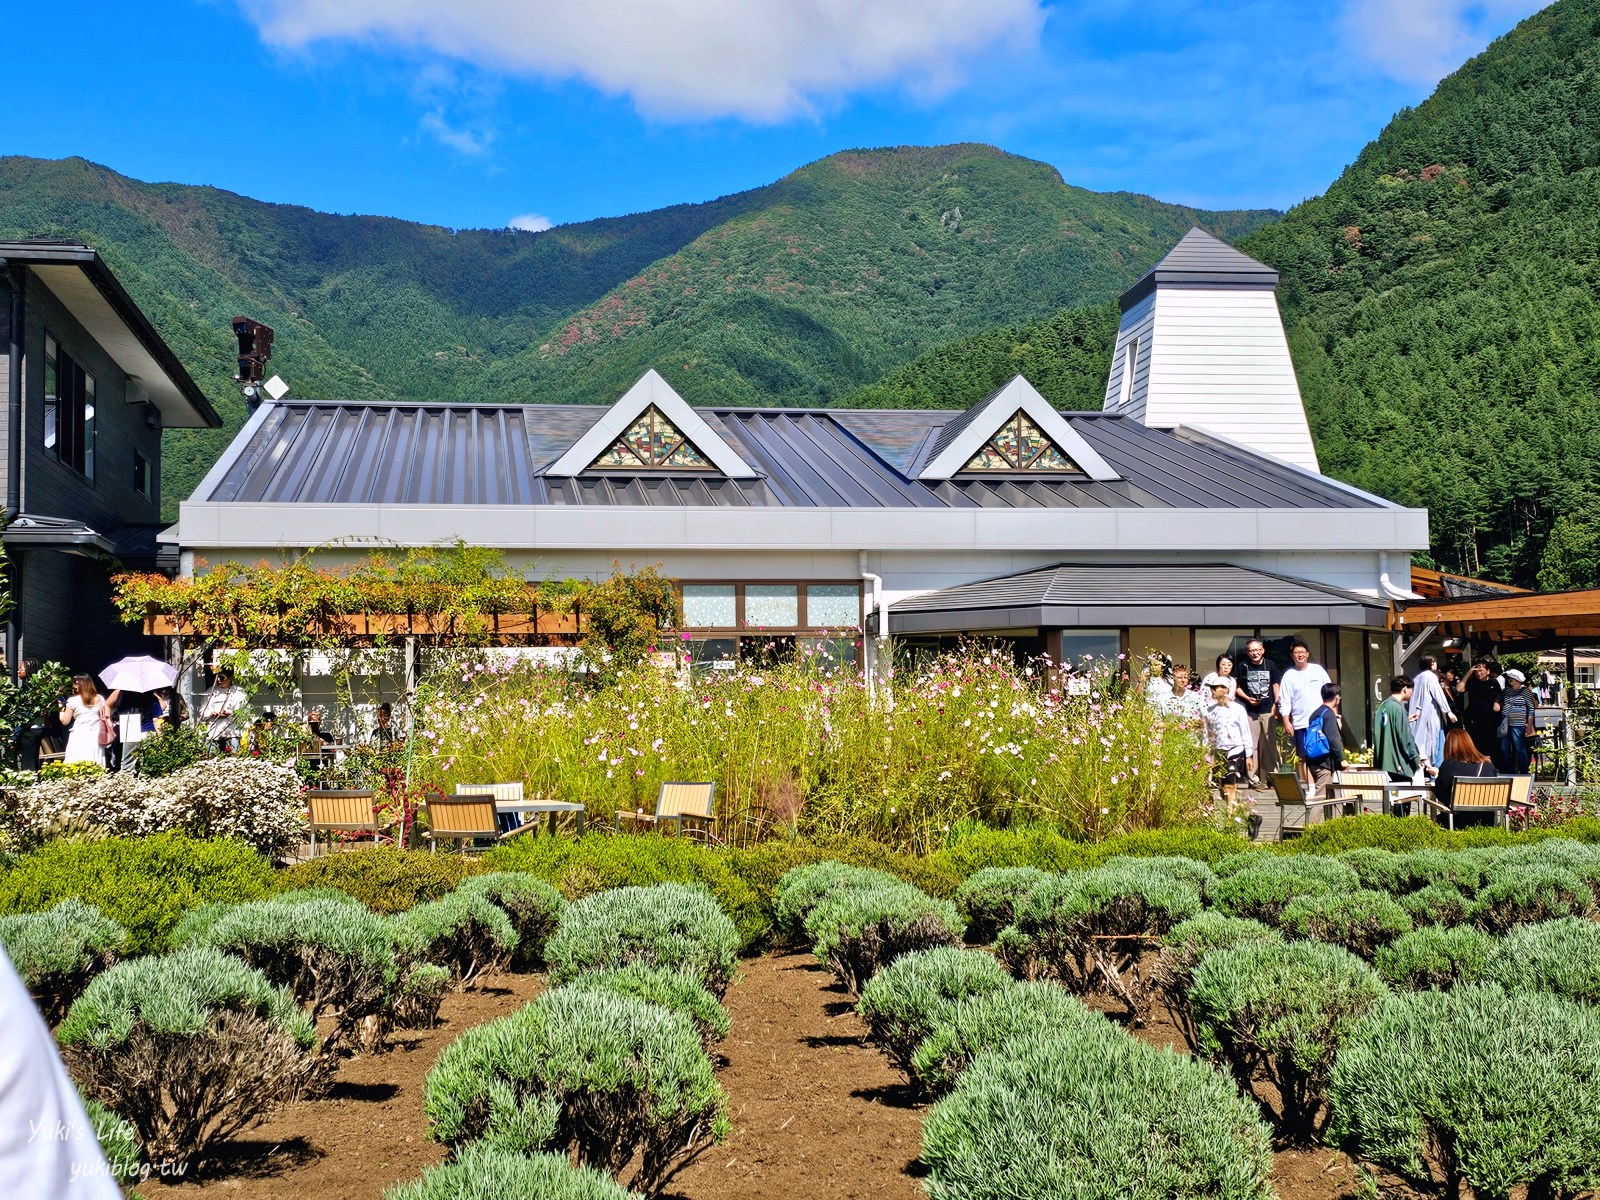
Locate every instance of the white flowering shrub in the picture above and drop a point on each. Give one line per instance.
(250, 799)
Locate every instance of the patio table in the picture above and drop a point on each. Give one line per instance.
(539, 807)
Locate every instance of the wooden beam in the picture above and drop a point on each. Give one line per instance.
(1528, 609)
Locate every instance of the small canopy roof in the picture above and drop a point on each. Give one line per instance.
(1530, 620)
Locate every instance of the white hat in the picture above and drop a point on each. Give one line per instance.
(1517, 675)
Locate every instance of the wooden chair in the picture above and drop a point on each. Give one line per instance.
(686, 807)
(1292, 800)
(508, 822)
(1357, 789)
(341, 812)
(465, 820)
(52, 748)
(1489, 794)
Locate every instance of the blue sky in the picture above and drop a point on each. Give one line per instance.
(471, 113)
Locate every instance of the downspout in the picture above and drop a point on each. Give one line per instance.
(871, 656)
(1386, 587)
(14, 434)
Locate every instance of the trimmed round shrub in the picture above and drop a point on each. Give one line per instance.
(1337, 875)
(1174, 866)
(1181, 951)
(1434, 957)
(1400, 834)
(484, 1173)
(857, 931)
(1474, 1086)
(988, 898)
(1521, 893)
(1278, 1015)
(419, 994)
(336, 957)
(670, 989)
(1462, 869)
(1379, 869)
(58, 951)
(463, 932)
(803, 888)
(1075, 1115)
(1201, 843)
(1437, 904)
(1262, 891)
(980, 1023)
(604, 1077)
(190, 1047)
(533, 905)
(385, 879)
(145, 884)
(902, 1001)
(1561, 853)
(1087, 928)
(670, 925)
(1363, 922)
(1560, 957)
(1041, 846)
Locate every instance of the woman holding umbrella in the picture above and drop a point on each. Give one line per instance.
(144, 674)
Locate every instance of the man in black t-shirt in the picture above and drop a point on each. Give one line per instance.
(1482, 694)
(1257, 690)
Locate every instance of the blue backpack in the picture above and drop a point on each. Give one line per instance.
(1315, 740)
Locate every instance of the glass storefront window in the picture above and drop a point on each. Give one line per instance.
(833, 605)
(1079, 647)
(713, 654)
(771, 605)
(709, 606)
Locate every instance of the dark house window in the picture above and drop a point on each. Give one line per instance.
(144, 476)
(68, 410)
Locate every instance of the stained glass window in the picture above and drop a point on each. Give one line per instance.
(653, 442)
(1020, 445)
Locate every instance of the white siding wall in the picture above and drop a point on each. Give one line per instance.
(1137, 323)
(1219, 360)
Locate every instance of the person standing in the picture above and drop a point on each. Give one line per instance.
(1516, 719)
(1223, 674)
(1481, 697)
(1394, 749)
(1323, 729)
(1184, 702)
(1228, 730)
(384, 735)
(1430, 711)
(1300, 695)
(1257, 691)
(84, 713)
(223, 702)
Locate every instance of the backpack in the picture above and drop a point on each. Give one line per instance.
(1315, 738)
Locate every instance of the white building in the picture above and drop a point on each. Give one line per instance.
(1185, 517)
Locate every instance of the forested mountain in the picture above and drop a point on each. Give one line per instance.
(797, 292)
(1443, 306)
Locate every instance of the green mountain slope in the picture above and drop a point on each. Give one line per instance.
(799, 291)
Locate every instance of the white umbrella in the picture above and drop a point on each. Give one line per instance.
(141, 673)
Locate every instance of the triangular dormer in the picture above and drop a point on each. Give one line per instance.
(651, 428)
(1015, 430)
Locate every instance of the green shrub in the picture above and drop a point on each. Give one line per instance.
(1184, 870)
(190, 1048)
(1437, 904)
(1087, 928)
(1432, 957)
(1337, 876)
(484, 1173)
(600, 862)
(988, 898)
(1560, 853)
(602, 1076)
(801, 889)
(336, 957)
(1262, 893)
(857, 931)
(903, 1000)
(1200, 843)
(145, 884)
(58, 951)
(1362, 921)
(533, 905)
(1035, 846)
(1379, 869)
(1278, 1014)
(670, 989)
(671, 925)
(1474, 1086)
(984, 1022)
(1399, 834)
(1076, 1116)
(419, 994)
(383, 878)
(55, 772)
(1520, 893)
(118, 1140)
(464, 933)
(1560, 957)
(1462, 869)
(169, 749)
(1181, 952)
(763, 865)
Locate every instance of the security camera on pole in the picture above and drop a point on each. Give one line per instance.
(255, 347)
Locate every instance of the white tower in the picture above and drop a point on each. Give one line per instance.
(1202, 344)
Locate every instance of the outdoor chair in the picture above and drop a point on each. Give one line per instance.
(465, 821)
(1487, 794)
(52, 748)
(508, 822)
(685, 807)
(341, 812)
(1292, 802)
(1354, 790)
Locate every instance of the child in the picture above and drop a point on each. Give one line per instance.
(1228, 728)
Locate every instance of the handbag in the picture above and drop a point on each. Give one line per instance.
(108, 728)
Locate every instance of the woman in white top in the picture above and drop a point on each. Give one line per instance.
(1223, 675)
(81, 714)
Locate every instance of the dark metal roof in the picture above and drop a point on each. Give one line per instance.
(1201, 260)
(386, 453)
(1071, 595)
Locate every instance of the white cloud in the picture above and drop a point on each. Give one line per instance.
(1422, 41)
(755, 59)
(530, 222)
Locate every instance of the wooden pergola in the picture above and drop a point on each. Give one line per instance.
(1519, 620)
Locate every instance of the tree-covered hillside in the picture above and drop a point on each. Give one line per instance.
(795, 292)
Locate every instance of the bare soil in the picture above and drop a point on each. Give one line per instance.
(816, 1111)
